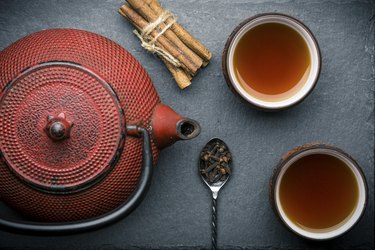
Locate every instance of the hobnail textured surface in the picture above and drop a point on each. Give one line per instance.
(48, 90)
(90, 156)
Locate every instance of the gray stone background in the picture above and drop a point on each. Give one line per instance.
(177, 210)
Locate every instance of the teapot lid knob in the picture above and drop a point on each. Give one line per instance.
(58, 128)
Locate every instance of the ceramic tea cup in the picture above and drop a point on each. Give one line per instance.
(318, 191)
(257, 98)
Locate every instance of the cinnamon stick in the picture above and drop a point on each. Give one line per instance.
(171, 48)
(183, 34)
(144, 10)
(169, 40)
(181, 77)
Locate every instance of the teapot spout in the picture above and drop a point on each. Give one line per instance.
(169, 127)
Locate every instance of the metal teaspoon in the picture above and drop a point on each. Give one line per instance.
(214, 168)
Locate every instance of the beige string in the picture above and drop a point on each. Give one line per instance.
(148, 42)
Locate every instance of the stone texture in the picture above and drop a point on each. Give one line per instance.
(176, 212)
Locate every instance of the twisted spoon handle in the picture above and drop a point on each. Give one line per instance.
(214, 227)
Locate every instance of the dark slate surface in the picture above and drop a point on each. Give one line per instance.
(176, 212)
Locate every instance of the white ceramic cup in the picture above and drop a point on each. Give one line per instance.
(328, 233)
(243, 28)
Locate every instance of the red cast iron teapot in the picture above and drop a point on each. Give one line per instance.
(80, 128)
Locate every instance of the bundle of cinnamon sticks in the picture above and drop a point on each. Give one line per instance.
(161, 34)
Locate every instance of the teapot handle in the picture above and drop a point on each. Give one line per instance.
(123, 210)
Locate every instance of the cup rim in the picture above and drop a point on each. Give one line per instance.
(310, 41)
(342, 227)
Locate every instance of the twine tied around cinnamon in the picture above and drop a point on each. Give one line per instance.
(148, 42)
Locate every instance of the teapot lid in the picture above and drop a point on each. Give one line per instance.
(62, 128)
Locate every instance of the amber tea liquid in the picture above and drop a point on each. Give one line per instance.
(318, 192)
(272, 61)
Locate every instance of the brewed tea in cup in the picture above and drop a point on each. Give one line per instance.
(319, 192)
(272, 61)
